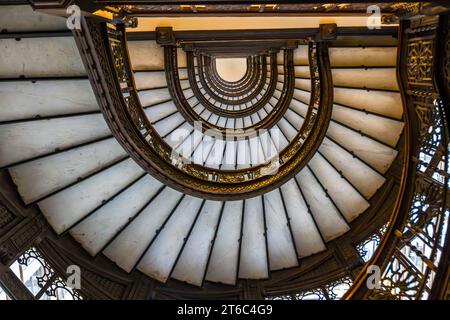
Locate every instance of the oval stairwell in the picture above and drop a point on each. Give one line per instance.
(63, 157)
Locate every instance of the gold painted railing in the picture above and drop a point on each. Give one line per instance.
(111, 76)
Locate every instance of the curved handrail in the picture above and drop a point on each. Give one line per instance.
(176, 92)
(255, 87)
(107, 62)
(209, 78)
(422, 208)
(235, 113)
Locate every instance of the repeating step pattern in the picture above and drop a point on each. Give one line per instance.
(61, 155)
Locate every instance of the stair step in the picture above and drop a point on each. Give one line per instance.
(101, 226)
(384, 103)
(363, 177)
(131, 243)
(281, 249)
(160, 258)
(66, 207)
(20, 100)
(40, 57)
(304, 230)
(372, 78)
(378, 155)
(154, 79)
(38, 178)
(382, 129)
(191, 266)
(223, 264)
(25, 140)
(253, 256)
(363, 56)
(327, 216)
(349, 201)
(22, 18)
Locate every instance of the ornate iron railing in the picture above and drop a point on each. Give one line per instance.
(112, 79)
(409, 254)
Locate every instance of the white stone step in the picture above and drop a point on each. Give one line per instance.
(38, 178)
(270, 145)
(146, 55)
(363, 56)
(326, 215)
(95, 231)
(372, 78)
(288, 130)
(384, 103)
(306, 235)
(256, 151)
(24, 140)
(191, 266)
(302, 96)
(159, 111)
(132, 242)
(349, 201)
(364, 178)
(154, 79)
(152, 97)
(46, 98)
(376, 154)
(167, 125)
(303, 84)
(277, 135)
(294, 119)
(179, 136)
(22, 18)
(229, 158)
(160, 258)
(253, 256)
(215, 157)
(302, 71)
(68, 206)
(281, 248)
(223, 264)
(299, 107)
(243, 156)
(383, 129)
(149, 56)
(301, 55)
(40, 57)
(201, 150)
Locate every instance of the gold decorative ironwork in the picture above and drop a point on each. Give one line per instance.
(411, 249)
(210, 182)
(420, 61)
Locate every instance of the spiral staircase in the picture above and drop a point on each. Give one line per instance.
(144, 163)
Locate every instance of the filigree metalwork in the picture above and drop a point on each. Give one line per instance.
(333, 290)
(31, 255)
(58, 285)
(420, 61)
(50, 284)
(367, 247)
(411, 250)
(129, 123)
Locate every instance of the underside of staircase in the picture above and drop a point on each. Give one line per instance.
(200, 164)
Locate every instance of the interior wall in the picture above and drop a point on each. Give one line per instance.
(240, 23)
(231, 69)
